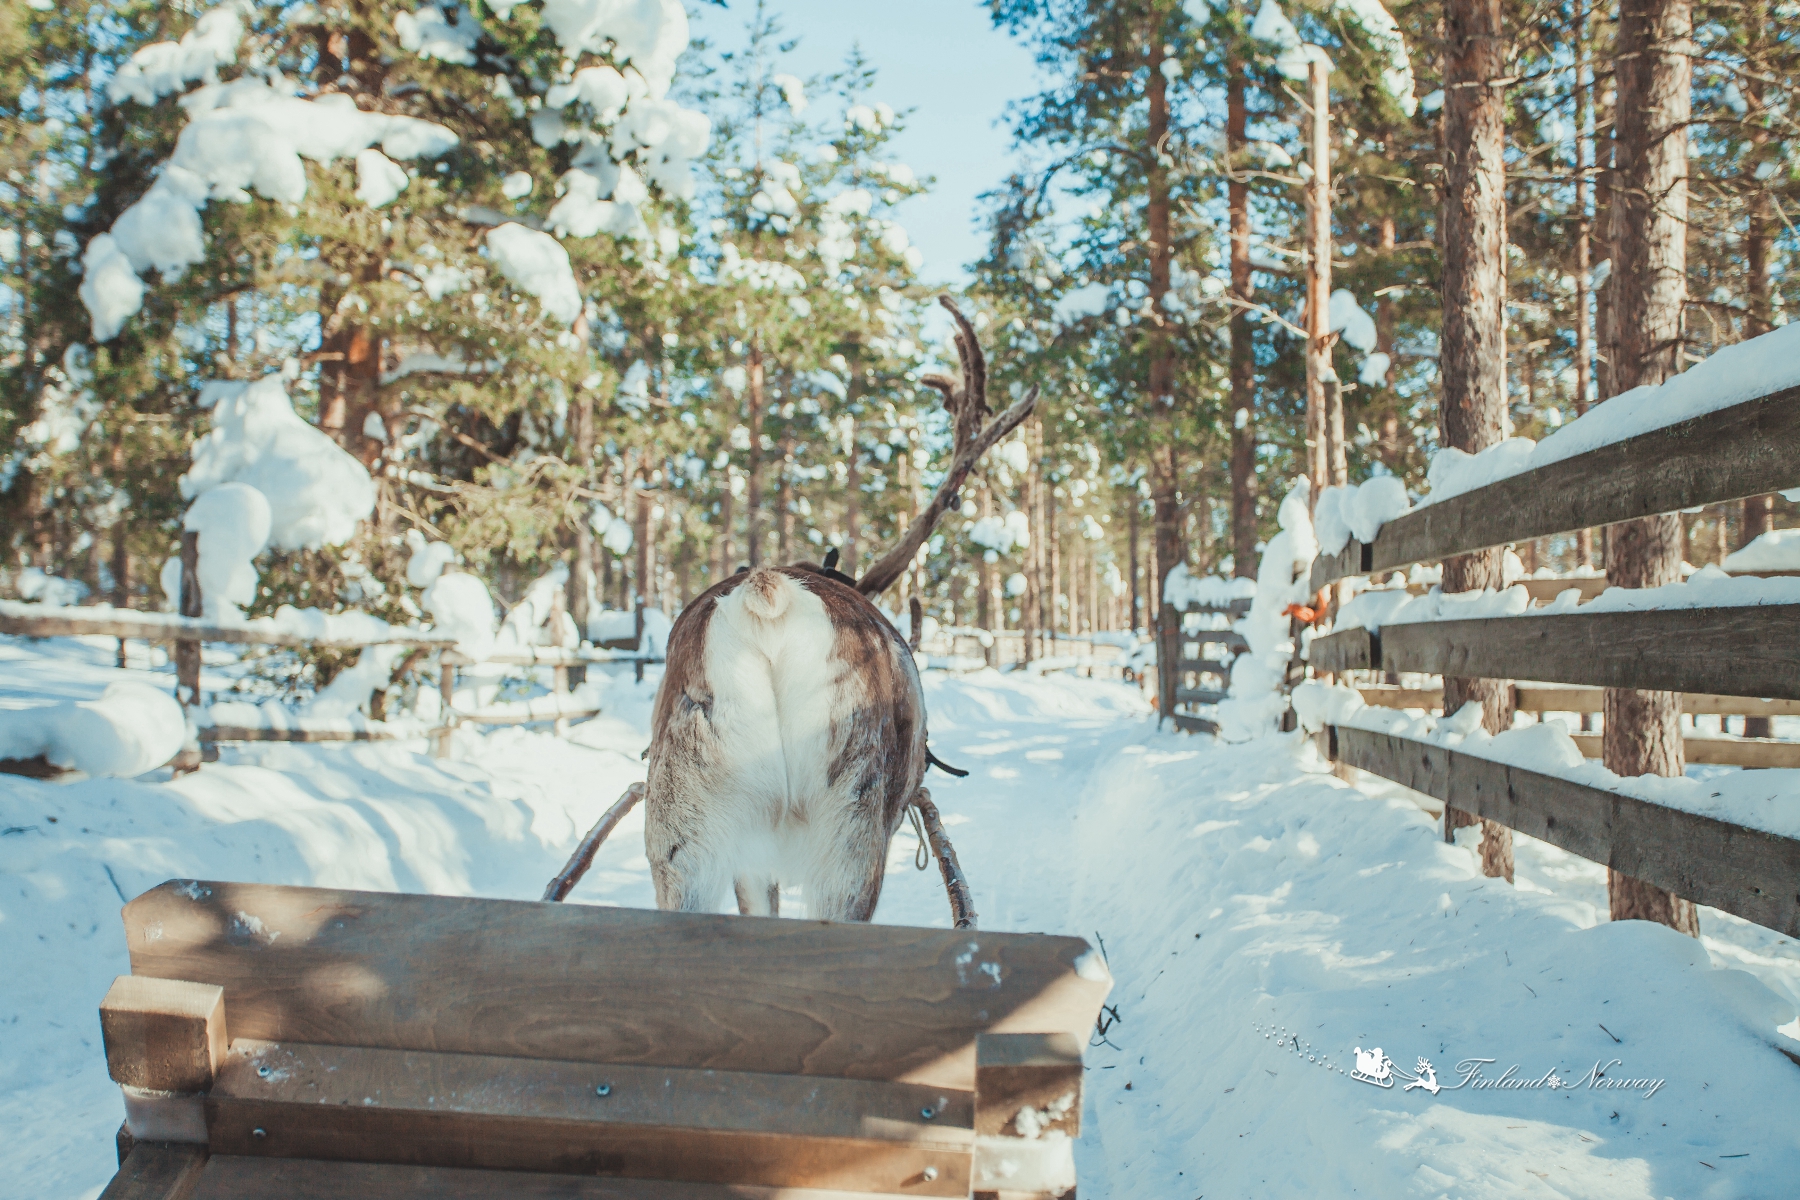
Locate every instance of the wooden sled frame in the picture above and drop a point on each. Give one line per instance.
(299, 1043)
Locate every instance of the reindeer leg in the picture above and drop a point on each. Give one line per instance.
(752, 903)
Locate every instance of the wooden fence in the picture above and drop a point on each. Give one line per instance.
(189, 633)
(1724, 659)
(1202, 669)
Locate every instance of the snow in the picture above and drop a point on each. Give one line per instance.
(447, 34)
(461, 607)
(1733, 375)
(1254, 704)
(1373, 372)
(1231, 891)
(1763, 799)
(241, 136)
(35, 585)
(349, 691)
(793, 91)
(1776, 550)
(233, 522)
(539, 265)
(1384, 32)
(164, 67)
(1348, 319)
(1359, 510)
(1181, 588)
(1002, 535)
(427, 560)
(316, 492)
(131, 728)
(1708, 587)
(379, 179)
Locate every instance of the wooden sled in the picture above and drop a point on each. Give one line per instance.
(301, 1044)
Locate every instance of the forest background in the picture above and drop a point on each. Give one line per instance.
(575, 288)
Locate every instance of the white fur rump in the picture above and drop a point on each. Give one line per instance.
(777, 687)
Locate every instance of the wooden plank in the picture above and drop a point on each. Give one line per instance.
(34, 620)
(1233, 608)
(1749, 449)
(1402, 697)
(1743, 871)
(1541, 698)
(1204, 665)
(1346, 650)
(1198, 696)
(256, 733)
(232, 1177)
(1718, 751)
(292, 1100)
(1232, 642)
(1750, 650)
(1737, 706)
(596, 984)
(1354, 559)
(1190, 724)
(1543, 591)
(164, 1035)
(1027, 1085)
(157, 1171)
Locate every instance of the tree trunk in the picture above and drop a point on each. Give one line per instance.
(784, 516)
(1758, 511)
(1165, 477)
(723, 566)
(1136, 590)
(581, 564)
(1318, 282)
(852, 501)
(1054, 620)
(1584, 254)
(1472, 347)
(1649, 236)
(1243, 357)
(753, 514)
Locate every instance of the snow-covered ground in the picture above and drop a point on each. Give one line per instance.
(1263, 919)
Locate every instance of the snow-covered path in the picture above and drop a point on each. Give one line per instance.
(1247, 899)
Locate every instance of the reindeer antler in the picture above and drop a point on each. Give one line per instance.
(968, 407)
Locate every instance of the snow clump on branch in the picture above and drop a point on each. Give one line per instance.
(240, 136)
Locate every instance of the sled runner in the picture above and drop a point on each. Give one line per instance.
(297, 1043)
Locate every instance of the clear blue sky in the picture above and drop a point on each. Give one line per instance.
(944, 60)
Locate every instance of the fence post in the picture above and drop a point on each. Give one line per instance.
(446, 691)
(187, 652)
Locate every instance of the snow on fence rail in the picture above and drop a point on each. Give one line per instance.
(1743, 858)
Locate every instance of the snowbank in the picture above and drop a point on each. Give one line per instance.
(130, 729)
(1764, 799)
(1776, 550)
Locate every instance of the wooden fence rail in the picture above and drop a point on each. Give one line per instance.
(1749, 449)
(1749, 650)
(1746, 872)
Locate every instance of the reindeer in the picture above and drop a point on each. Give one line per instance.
(788, 734)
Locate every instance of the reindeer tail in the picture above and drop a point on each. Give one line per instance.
(767, 593)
